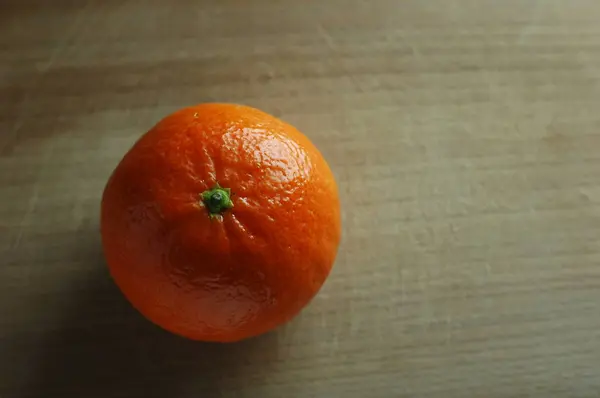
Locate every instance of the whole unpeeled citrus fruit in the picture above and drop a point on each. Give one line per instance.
(221, 223)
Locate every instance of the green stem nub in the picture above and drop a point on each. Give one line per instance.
(217, 200)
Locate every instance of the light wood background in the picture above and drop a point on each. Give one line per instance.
(465, 136)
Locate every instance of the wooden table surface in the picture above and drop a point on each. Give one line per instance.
(465, 136)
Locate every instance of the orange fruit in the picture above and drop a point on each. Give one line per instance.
(221, 223)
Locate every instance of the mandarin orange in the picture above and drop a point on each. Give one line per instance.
(220, 223)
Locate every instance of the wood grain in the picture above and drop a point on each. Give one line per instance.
(465, 136)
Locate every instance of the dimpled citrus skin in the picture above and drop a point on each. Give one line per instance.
(250, 268)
